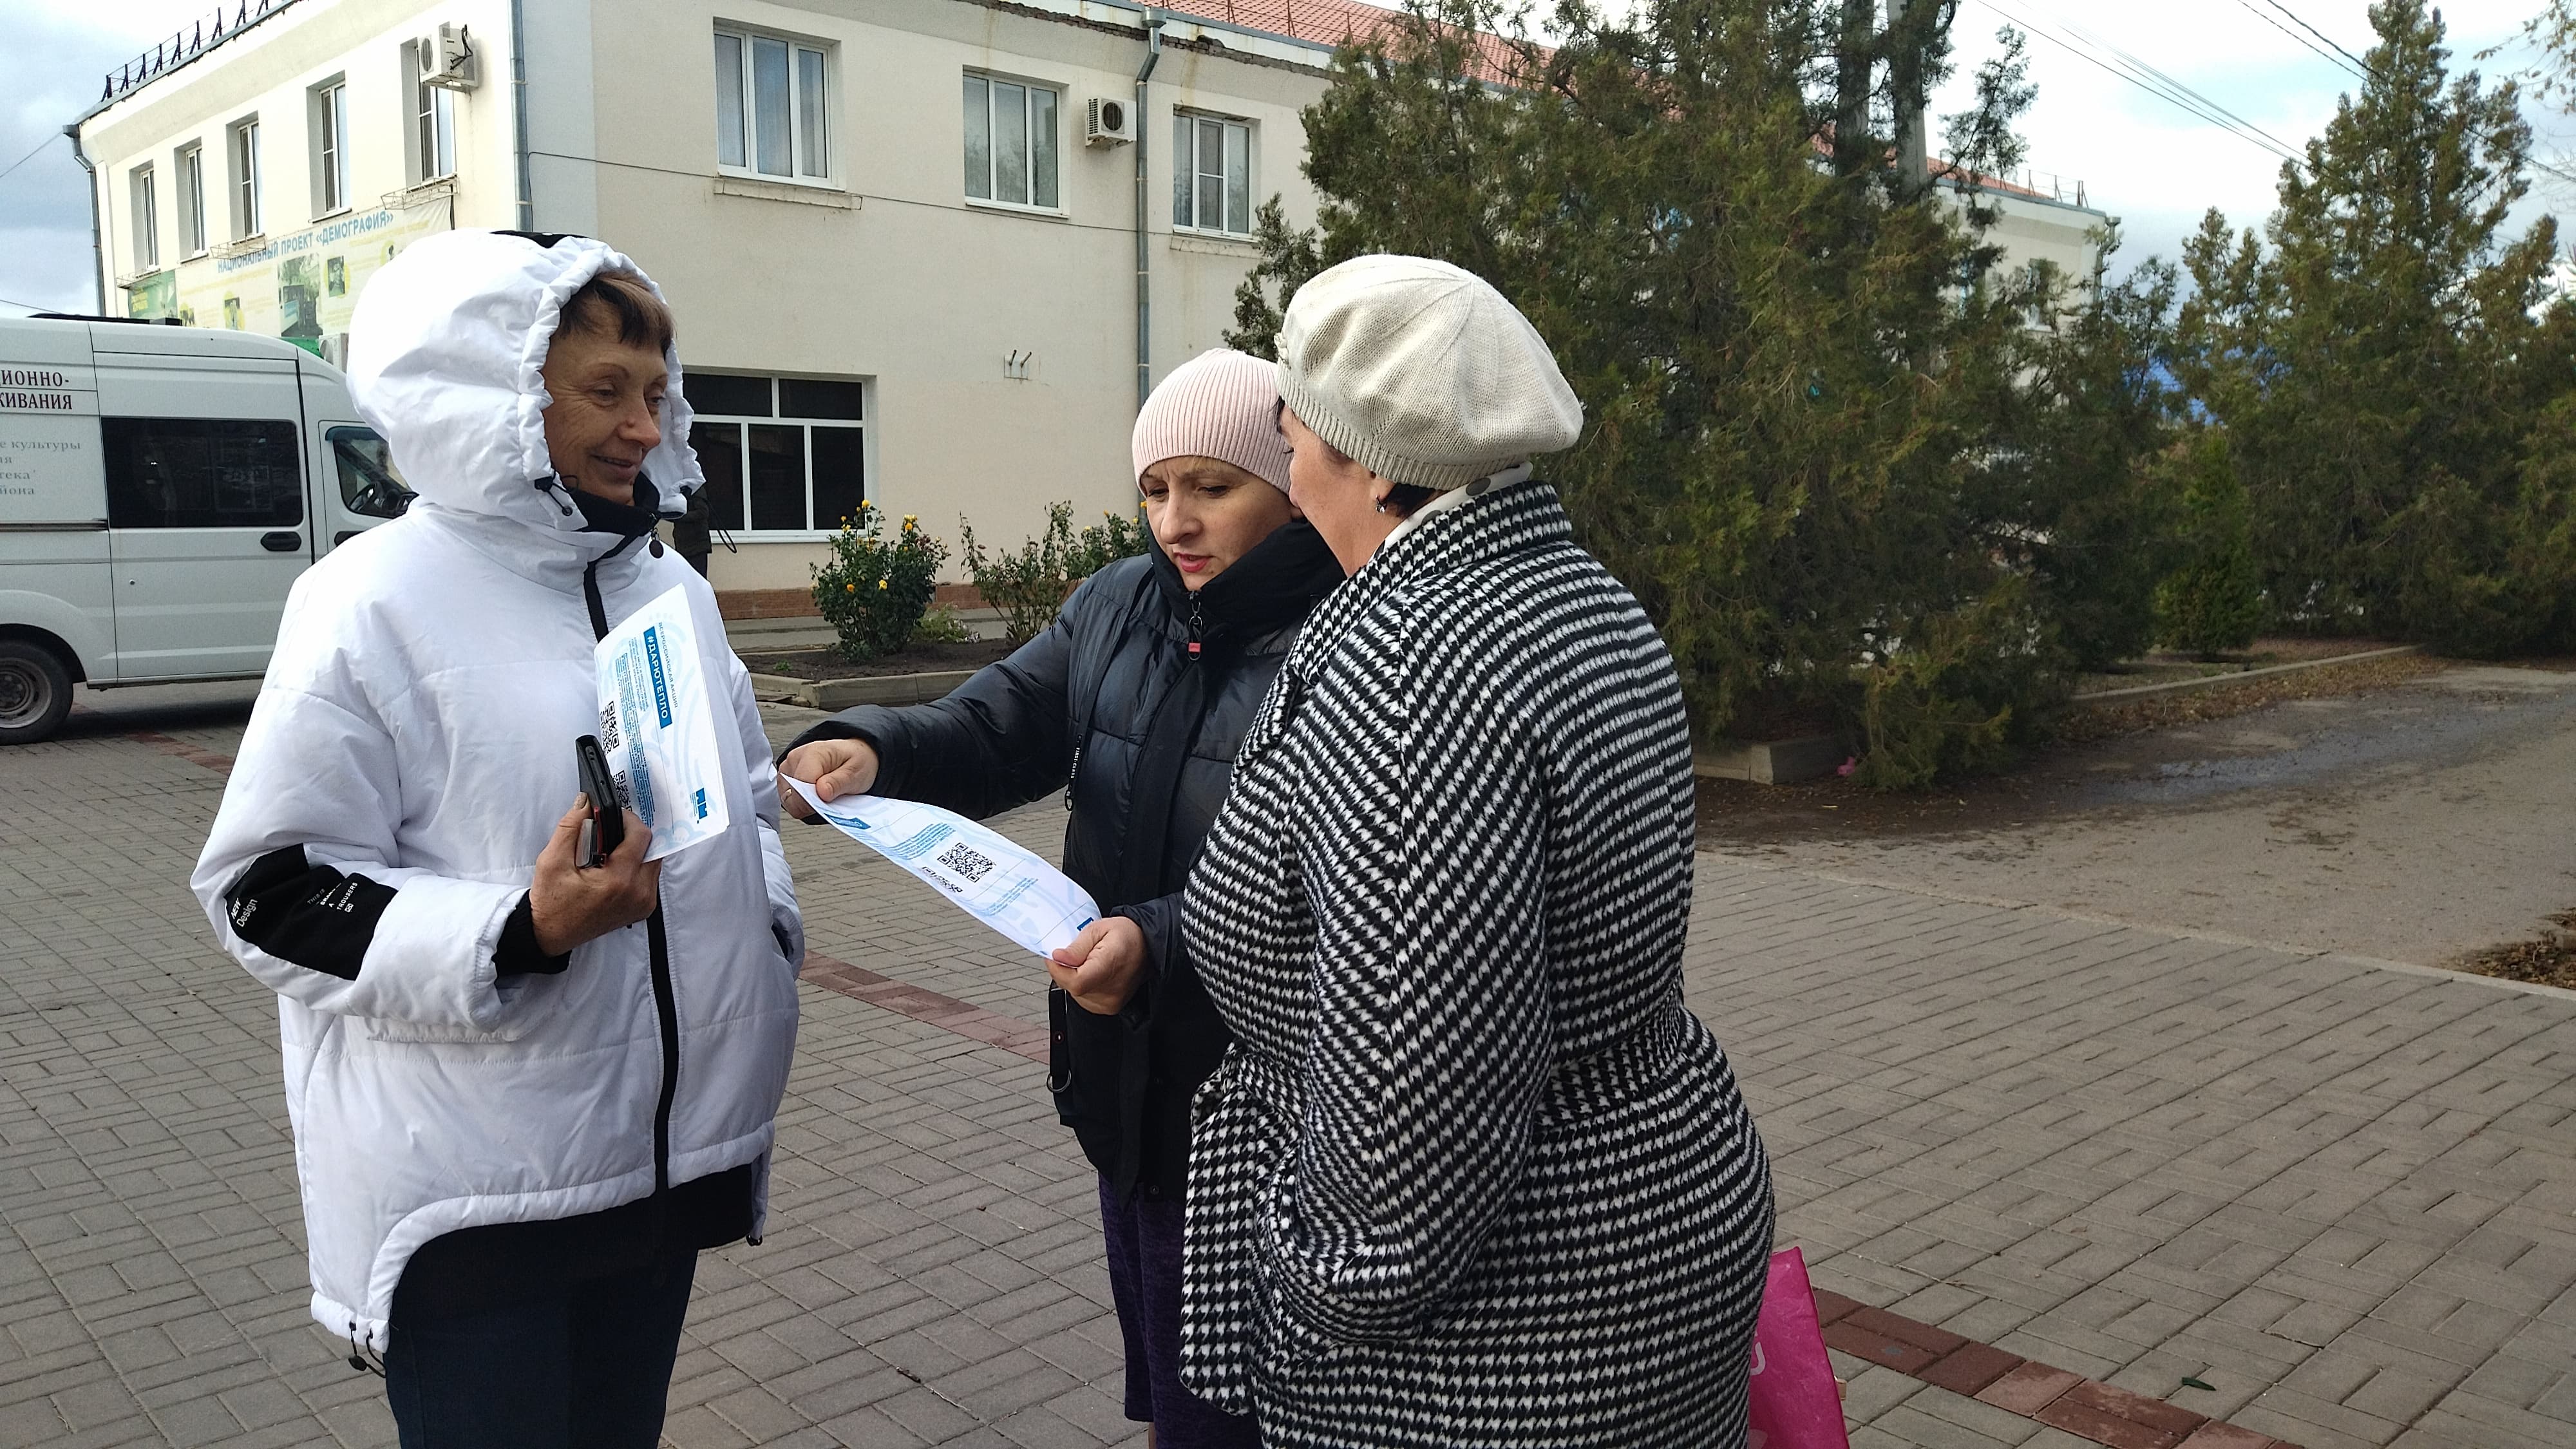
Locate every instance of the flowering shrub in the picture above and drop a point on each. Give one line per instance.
(874, 591)
(1029, 583)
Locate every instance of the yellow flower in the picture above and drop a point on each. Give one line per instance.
(849, 588)
(881, 583)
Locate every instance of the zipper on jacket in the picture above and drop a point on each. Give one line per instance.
(1196, 625)
(656, 938)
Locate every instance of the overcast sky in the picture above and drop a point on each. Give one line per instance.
(2142, 159)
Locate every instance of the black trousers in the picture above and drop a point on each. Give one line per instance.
(580, 1364)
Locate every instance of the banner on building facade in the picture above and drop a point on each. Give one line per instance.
(302, 286)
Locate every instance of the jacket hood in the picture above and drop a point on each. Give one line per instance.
(446, 358)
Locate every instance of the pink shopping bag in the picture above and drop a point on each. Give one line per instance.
(1795, 1403)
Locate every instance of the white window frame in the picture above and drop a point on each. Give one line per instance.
(330, 130)
(146, 218)
(188, 166)
(1191, 162)
(1030, 87)
(865, 426)
(429, 124)
(241, 146)
(812, 70)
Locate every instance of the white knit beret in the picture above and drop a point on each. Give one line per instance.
(1421, 372)
(1219, 404)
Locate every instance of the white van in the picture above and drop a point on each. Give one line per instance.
(160, 489)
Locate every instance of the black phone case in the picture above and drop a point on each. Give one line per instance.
(608, 815)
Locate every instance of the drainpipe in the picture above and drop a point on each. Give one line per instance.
(98, 240)
(1144, 259)
(519, 111)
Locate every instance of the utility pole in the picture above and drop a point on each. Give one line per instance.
(1905, 79)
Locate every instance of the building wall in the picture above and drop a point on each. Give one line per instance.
(884, 273)
(270, 71)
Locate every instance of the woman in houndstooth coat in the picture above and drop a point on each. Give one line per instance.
(1470, 1174)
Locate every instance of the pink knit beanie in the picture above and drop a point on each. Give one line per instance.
(1219, 404)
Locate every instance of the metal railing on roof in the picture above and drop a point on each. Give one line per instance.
(185, 46)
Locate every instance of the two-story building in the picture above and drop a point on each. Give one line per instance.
(921, 251)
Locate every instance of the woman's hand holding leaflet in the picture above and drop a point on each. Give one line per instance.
(833, 767)
(569, 902)
(1099, 969)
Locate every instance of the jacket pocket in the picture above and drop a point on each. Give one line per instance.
(525, 1005)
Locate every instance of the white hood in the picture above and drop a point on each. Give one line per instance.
(446, 359)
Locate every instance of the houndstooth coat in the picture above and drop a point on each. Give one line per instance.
(1471, 1174)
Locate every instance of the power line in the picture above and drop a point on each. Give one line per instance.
(31, 155)
(2321, 35)
(2320, 52)
(2182, 98)
(30, 306)
(2140, 65)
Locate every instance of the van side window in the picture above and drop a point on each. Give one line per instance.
(369, 486)
(202, 473)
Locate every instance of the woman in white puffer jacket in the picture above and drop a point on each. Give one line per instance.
(524, 1095)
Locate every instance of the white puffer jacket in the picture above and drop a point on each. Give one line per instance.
(415, 734)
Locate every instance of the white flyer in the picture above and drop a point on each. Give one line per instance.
(987, 874)
(657, 725)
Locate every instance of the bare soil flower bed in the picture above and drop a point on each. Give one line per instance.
(2548, 959)
(2096, 722)
(2167, 666)
(918, 658)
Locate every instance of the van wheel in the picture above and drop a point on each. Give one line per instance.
(35, 692)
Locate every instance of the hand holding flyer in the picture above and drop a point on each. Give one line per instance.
(657, 725)
(988, 875)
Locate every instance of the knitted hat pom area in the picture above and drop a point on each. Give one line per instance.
(1421, 372)
(1219, 404)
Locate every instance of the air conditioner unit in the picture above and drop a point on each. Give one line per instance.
(447, 59)
(1106, 123)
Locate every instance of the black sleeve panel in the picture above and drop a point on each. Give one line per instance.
(516, 953)
(311, 915)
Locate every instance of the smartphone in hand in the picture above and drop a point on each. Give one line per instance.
(605, 830)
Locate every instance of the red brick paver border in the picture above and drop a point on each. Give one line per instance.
(1011, 1034)
(220, 764)
(2113, 1417)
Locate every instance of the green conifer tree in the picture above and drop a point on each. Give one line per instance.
(1857, 471)
(2380, 356)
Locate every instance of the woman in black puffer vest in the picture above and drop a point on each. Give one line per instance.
(1133, 700)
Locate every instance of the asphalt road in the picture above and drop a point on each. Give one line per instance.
(2412, 823)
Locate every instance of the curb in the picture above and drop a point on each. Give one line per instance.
(2214, 681)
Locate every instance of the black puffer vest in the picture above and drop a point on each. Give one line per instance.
(1134, 700)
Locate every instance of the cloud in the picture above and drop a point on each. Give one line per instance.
(2157, 167)
(45, 257)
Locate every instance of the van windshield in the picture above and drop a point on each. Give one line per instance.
(369, 486)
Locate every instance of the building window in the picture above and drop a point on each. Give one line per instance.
(202, 473)
(330, 148)
(1211, 174)
(781, 454)
(147, 222)
(432, 140)
(1011, 141)
(243, 142)
(192, 199)
(773, 107)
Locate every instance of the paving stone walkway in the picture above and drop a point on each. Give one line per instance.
(2342, 1195)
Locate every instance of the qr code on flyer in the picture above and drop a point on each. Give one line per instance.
(608, 728)
(965, 860)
